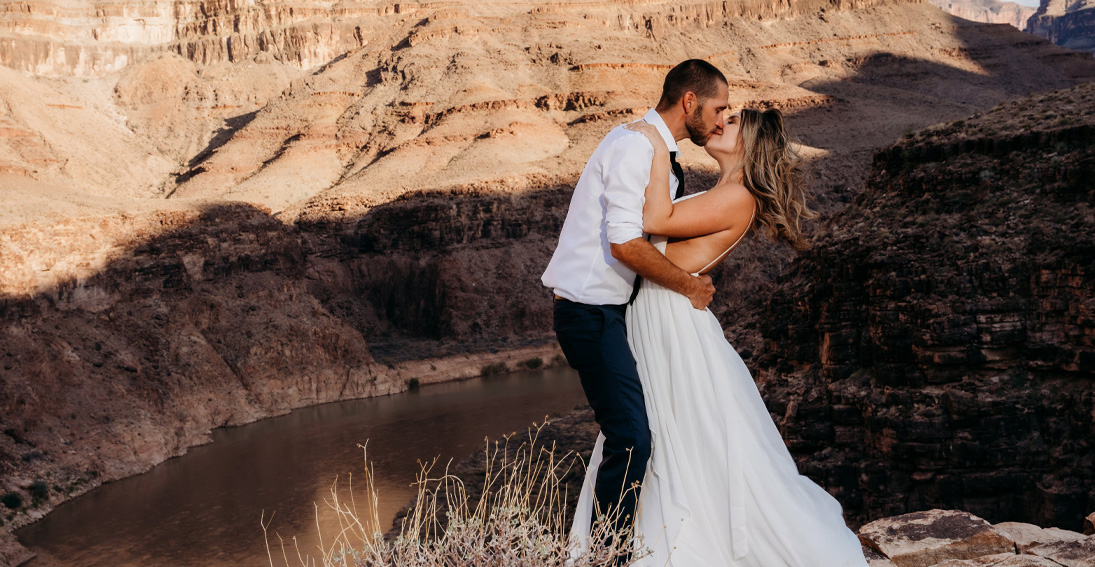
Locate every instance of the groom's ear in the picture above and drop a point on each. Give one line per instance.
(689, 102)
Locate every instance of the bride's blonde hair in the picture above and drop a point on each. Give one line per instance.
(774, 173)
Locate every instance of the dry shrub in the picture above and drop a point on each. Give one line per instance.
(517, 519)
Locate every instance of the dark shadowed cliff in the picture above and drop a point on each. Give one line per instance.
(936, 348)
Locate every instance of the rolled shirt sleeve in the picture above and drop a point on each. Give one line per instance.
(626, 173)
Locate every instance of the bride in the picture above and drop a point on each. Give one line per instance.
(721, 487)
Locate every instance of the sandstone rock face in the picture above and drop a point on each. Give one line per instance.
(221, 107)
(1027, 561)
(1077, 553)
(984, 560)
(1027, 536)
(93, 38)
(935, 349)
(926, 538)
(988, 11)
(1069, 24)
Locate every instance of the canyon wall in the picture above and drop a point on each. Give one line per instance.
(100, 37)
(936, 348)
(201, 231)
(1069, 24)
(132, 352)
(988, 11)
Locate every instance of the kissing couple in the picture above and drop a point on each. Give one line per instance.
(688, 460)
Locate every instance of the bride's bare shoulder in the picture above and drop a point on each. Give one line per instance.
(735, 197)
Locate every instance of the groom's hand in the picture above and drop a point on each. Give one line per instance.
(703, 292)
(642, 258)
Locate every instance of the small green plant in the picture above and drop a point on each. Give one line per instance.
(533, 363)
(412, 384)
(13, 500)
(494, 369)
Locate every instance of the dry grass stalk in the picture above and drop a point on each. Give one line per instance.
(518, 520)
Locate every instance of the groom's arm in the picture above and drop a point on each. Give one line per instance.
(641, 257)
(626, 173)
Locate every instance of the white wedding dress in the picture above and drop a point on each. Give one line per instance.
(721, 488)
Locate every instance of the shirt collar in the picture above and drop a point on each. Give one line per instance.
(654, 118)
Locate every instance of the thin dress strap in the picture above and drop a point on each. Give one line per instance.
(723, 255)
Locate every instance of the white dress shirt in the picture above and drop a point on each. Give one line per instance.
(607, 207)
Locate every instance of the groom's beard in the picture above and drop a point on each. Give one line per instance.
(697, 130)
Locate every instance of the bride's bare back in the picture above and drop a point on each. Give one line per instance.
(702, 253)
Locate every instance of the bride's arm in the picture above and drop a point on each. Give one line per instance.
(698, 216)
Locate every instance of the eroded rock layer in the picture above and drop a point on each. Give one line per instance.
(1069, 24)
(98, 37)
(143, 349)
(937, 346)
(988, 11)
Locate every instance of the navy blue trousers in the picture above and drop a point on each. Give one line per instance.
(594, 340)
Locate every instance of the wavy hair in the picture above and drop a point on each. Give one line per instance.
(775, 174)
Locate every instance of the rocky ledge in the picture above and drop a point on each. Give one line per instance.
(950, 538)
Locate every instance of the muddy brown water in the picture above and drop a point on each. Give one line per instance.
(204, 508)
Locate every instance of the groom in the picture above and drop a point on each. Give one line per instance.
(593, 271)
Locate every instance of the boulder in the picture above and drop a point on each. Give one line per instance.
(921, 539)
(1089, 524)
(1027, 536)
(1026, 561)
(984, 561)
(1078, 553)
(1000, 560)
(876, 559)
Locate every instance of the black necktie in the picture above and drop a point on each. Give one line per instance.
(678, 172)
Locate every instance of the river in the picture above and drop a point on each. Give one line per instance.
(204, 508)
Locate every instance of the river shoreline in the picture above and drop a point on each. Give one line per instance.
(405, 375)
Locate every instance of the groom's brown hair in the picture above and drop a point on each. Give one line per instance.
(695, 75)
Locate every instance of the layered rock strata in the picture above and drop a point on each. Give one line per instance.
(93, 38)
(937, 346)
(1069, 24)
(988, 11)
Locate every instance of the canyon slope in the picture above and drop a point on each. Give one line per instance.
(218, 211)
